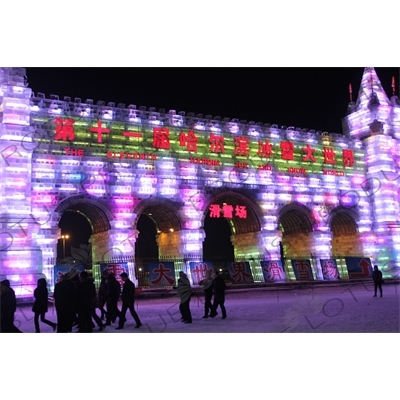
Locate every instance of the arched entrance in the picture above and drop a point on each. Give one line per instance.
(296, 224)
(97, 215)
(346, 240)
(217, 245)
(76, 231)
(232, 227)
(158, 228)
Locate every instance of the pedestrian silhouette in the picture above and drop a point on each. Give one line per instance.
(207, 283)
(219, 287)
(113, 291)
(8, 303)
(86, 303)
(41, 305)
(185, 293)
(128, 302)
(65, 301)
(102, 297)
(377, 277)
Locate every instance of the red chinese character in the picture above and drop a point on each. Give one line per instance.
(161, 138)
(264, 149)
(329, 155)
(274, 271)
(64, 129)
(348, 158)
(99, 130)
(303, 269)
(215, 211)
(217, 143)
(117, 270)
(162, 273)
(132, 134)
(240, 274)
(287, 150)
(329, 269)
(199, 271)
(227, 210)
(309, 156)
(241, 146)
(240, 211)
(189, 140)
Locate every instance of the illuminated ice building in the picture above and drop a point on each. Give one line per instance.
(315, 202)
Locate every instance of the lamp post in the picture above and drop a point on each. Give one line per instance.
(64, 237)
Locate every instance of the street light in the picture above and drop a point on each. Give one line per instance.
(64, 237)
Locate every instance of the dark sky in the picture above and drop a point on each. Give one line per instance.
(314, 98)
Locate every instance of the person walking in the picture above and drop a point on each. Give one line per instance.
(113, 291)
(41, 304)
(207, 284)
(185, 293)
(219, 287)
(86, 298)
(102, 297)
(128, 302)
(377, 277)
(65, 301)
(8, 303)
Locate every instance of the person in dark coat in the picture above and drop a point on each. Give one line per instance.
(65, 302)
(128, 302)
(102, 297)
(377, 277)
(207, 283)
(219, 287)
(8, 303)
(41, 304)
(185, 293)
(86, 302)
(113, 291)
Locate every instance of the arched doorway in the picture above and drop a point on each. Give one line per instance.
(217, 245)
(84, 210)
(76, 230)
(296, 223)
(232, 226)
(158, 226)
(346, 240)
(146, 243)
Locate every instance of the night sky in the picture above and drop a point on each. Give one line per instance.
(313, 98)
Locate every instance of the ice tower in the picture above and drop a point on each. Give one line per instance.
(20, 254)
(375, 120)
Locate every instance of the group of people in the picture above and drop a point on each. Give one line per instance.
(213, 284)
(76, 301)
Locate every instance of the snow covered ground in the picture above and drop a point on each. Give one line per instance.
(344, 309)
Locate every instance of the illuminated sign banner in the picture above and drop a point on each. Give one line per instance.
(198, 270)
(329, 270)
(302, 270)
(60, 270)
(137, 141)
(359, 268)
(115, 268)
(273, 271)
(161, 274)
(227, 211)
(240, 272)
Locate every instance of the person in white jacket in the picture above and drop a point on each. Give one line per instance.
(185, 293)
